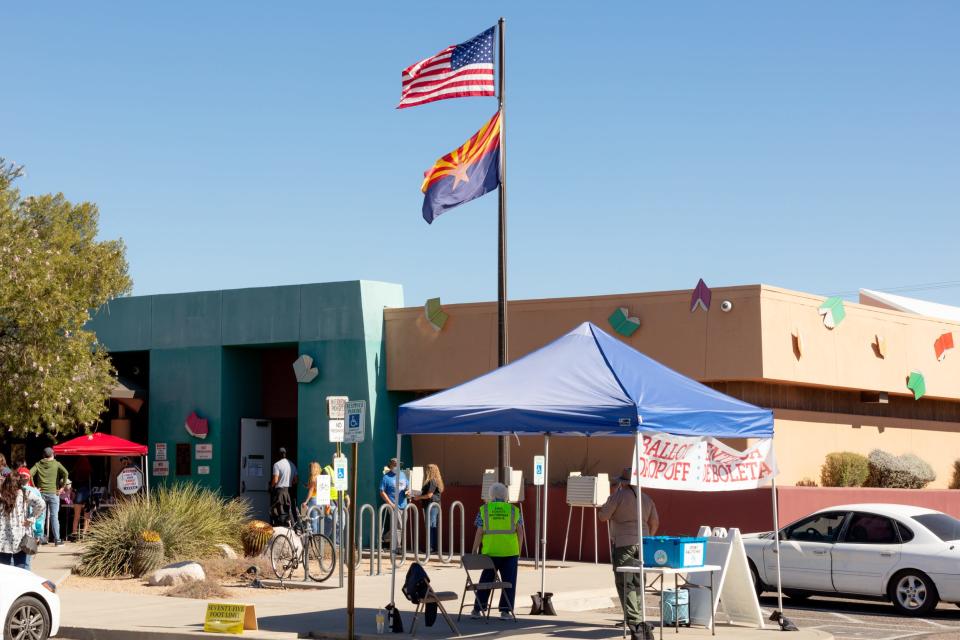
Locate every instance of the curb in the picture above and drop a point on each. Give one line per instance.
(88, 633)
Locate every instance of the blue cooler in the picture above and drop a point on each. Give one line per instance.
(674, 552)
(676, 607)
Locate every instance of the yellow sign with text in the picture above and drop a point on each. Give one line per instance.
(230, 618)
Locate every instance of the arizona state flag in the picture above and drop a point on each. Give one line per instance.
(465, 173)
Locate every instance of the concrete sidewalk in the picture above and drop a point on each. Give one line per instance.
(583, 613)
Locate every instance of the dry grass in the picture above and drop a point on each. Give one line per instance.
(234, 572)
(198, 590)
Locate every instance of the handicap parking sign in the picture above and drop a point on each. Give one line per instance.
(538, 470)
(356, 413)
(340, 473)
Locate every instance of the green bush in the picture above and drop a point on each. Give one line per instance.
(844, 469)
(191, 522)
(898, 472)
(955, 481)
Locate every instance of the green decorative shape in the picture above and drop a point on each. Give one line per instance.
(917, 384)
(435, 314)
(833, 312)
(622, 323)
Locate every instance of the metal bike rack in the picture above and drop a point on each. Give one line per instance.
(454, 507)
(393, 525)
(367, 508)
(405, 529)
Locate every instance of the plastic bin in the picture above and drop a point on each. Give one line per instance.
(676, 607)
(675, 552)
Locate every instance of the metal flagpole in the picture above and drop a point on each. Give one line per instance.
(776, 543)
(503, 442)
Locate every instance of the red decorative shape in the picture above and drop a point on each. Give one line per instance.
(701, 297)
(943, 344)
(196, 426)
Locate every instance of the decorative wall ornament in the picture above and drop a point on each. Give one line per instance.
(943, 344)
(833, 312)
(435, 314)
(917, 384)
(304, 370)
(797, 342)
(623, 323)
(196, 426)
(701, 297)
(880, 346)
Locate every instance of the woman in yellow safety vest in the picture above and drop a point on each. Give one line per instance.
(498, 536)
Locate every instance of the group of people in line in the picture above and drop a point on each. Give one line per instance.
(29, 507)
(499, 526)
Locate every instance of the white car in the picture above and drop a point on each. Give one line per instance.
(907, 555)
(29, 605)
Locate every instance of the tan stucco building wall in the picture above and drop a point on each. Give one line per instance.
(749, 352)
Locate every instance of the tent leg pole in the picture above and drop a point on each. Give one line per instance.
(393, 532)
(643, 581)
(776, 544)
(543, 528)
(146, 474)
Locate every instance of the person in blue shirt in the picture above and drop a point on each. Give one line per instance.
(393, 491)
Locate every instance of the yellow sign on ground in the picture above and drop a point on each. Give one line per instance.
(230, 618)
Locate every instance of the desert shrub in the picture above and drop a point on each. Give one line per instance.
(198, 590)
(807, 482)
(844, 469)
(955, 481)
(190, 521)
(898, 472)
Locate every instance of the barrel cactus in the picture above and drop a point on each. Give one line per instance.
(147, 554)
(255, 537)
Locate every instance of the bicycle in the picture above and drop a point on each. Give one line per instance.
(321, 554)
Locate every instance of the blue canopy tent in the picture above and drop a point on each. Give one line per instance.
(585, 383)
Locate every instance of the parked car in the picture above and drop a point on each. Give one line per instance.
(29, 605)
(907, 555)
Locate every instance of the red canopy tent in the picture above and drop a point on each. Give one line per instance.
(104, 444)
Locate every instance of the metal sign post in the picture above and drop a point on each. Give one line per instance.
(336, 406)
(354, 427)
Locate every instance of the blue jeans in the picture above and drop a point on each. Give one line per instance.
(508, 573)
(314, 515)
(432, 524)
(18, 559)
(52, 500)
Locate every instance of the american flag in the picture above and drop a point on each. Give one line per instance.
(458, 71)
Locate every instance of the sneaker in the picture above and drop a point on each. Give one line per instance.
(506, 615)
(476, 614)
(59, 543)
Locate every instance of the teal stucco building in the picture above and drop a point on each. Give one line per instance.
(227, 356)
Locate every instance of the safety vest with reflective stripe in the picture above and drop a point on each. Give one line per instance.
(499, 521)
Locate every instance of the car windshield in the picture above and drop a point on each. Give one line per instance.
(945, 527)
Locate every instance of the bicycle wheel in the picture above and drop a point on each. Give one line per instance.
(283, 557)
(321, 557)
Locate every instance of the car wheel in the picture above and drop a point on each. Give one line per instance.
(757, 585)
(796, 595)
(27, 620)
(912, 593)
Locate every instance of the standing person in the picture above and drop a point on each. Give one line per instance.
(281, 504)
(330, 511)
(33, 513)
(311, 501)
(16, 505)
(499, 527)
(49, 476)
(393, 491)
(4, 469)
(620, 512)
(429, 494)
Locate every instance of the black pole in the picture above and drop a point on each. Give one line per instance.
(351, 547)
(503, 444)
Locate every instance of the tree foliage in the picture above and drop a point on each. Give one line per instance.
(54, 377)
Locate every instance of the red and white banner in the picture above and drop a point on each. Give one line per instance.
(702, 464)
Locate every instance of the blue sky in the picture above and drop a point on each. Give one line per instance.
(810, 145)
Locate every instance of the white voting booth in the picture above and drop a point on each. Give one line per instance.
(585, 492)
(733, 592)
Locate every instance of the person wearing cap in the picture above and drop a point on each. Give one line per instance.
(49, 476)
(499, 527)
(393, 491)
(284, 476)
(620, 514)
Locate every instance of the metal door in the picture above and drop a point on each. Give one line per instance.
(255, 438)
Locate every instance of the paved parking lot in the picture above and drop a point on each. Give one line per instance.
(857, 619)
